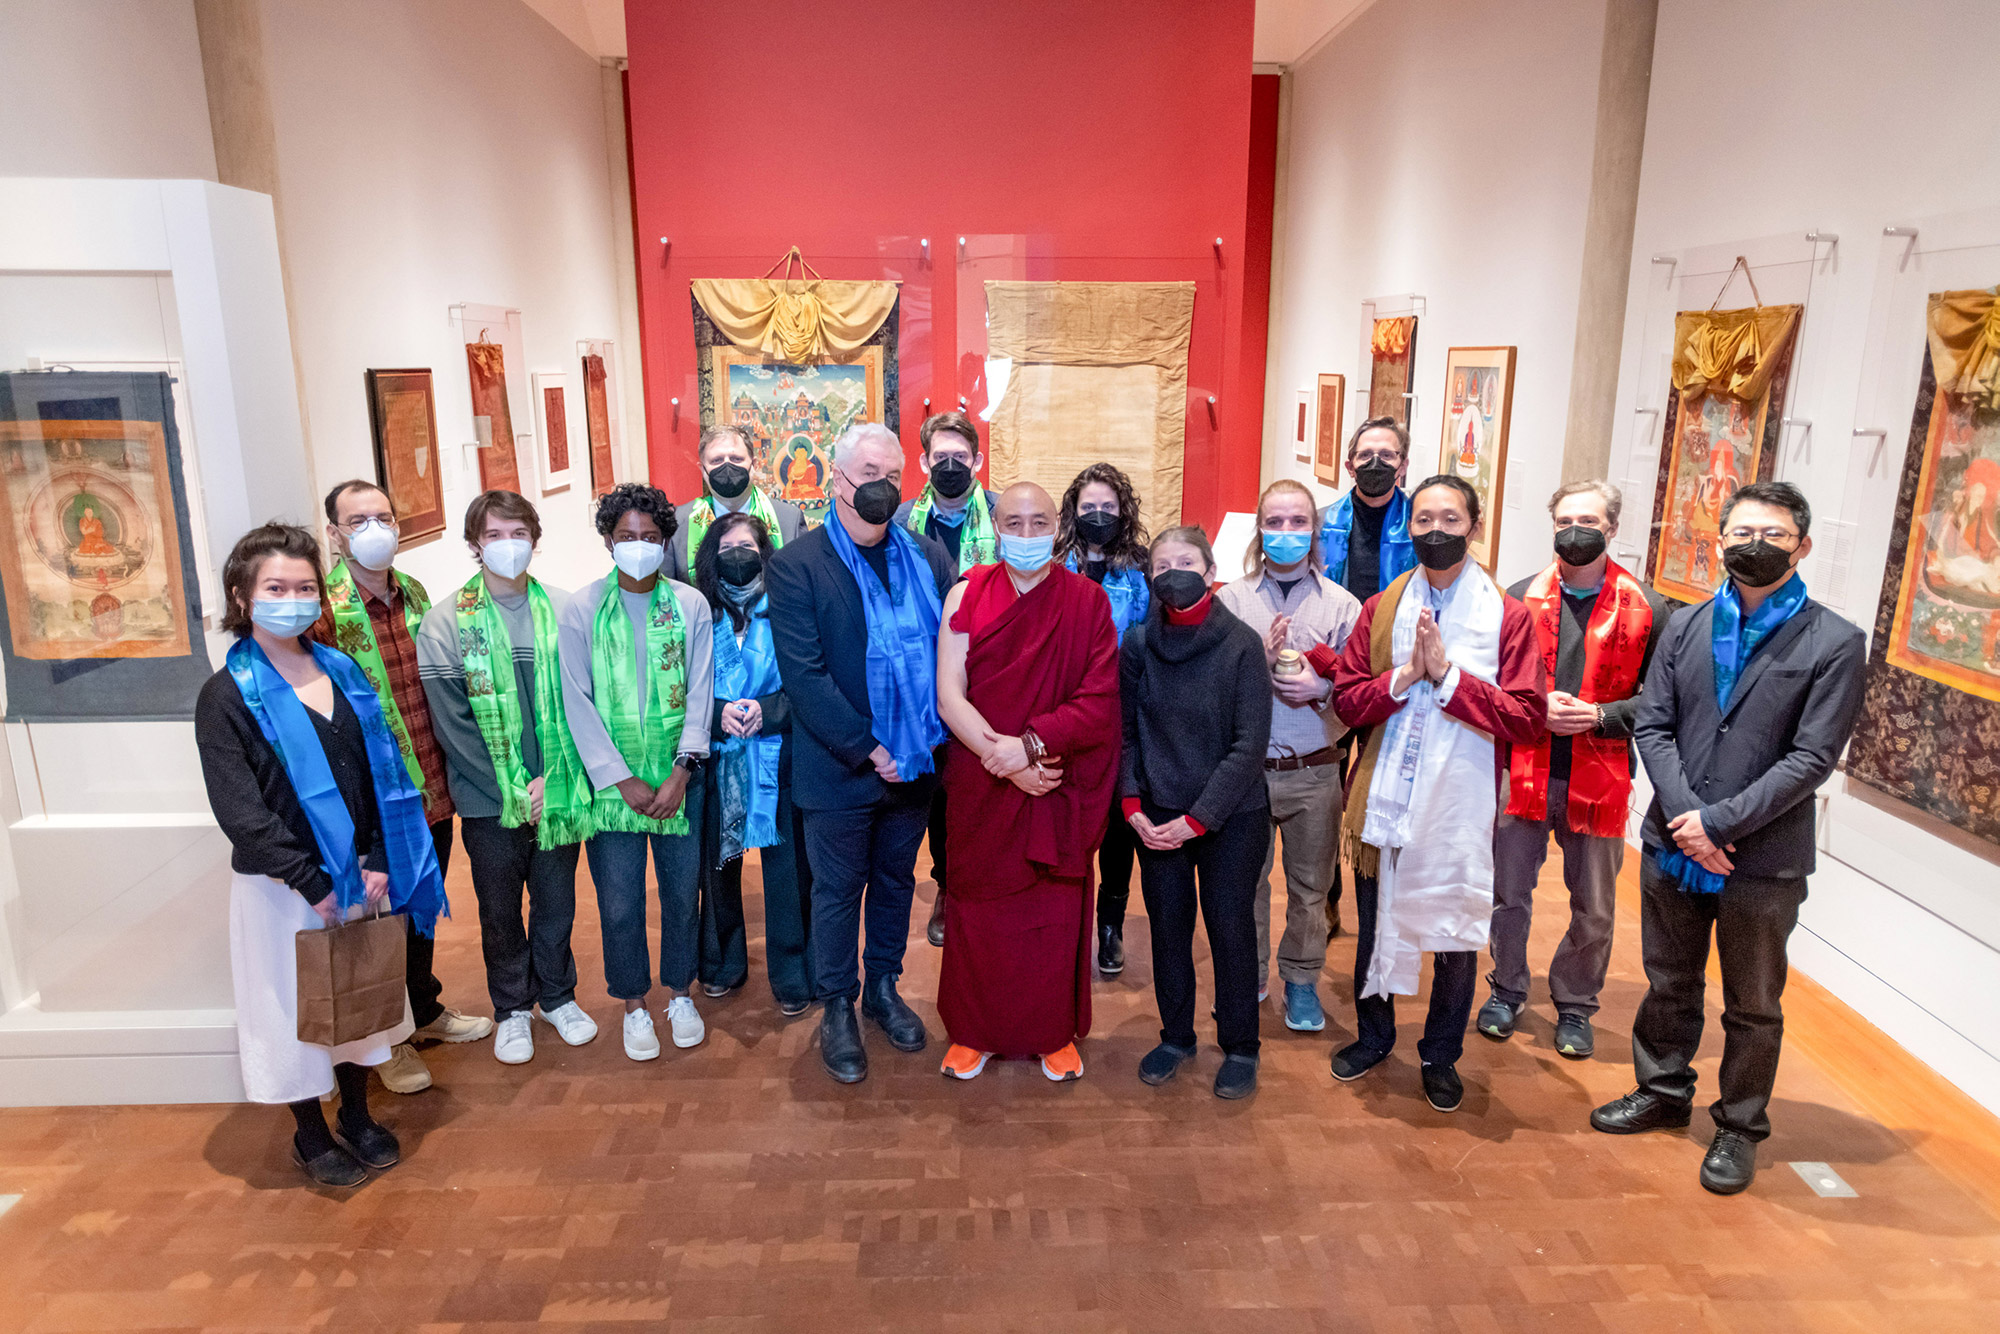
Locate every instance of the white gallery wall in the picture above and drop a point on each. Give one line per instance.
(1442, 148)
(1833, 123)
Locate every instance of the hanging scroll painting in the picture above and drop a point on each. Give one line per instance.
(552, 429)
(492, 418)
(1326, 457)
(402, 416)
(1478, 405)
(1392, 348)
(597, 424)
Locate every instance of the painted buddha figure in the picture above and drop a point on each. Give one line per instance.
(90, 535)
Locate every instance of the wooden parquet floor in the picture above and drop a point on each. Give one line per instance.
(734, 1187)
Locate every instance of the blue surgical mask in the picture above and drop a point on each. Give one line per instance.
(285, 617)
(1287, 548)
(1027, 554)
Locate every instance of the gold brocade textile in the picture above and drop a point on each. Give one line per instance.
(1732, 352)
(796, 320)
(1964, 331)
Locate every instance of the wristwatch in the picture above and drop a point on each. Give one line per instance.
(687, 760)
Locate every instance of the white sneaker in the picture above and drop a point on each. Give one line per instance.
(451, 1026)
(688, 1028)
(514, 1040)
(569, 1020)
(641, 1042)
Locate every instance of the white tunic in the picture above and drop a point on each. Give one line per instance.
(265, 916)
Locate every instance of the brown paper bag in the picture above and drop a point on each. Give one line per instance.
(351, 980)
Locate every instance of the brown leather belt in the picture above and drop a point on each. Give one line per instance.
(1325, 755)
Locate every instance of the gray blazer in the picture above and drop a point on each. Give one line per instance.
(790, 524)
(1752, 770)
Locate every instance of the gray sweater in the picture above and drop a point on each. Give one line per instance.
(468, 765)
(601, 758)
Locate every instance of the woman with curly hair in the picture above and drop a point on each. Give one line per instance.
(637, 671)
(1099, 533)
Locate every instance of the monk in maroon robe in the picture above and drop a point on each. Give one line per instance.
(1028, 685)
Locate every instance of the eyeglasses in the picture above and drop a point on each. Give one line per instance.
(360, 521)
(1376, 456)
(1777, 537)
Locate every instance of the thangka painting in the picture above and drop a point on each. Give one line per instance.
(1930, 722)
(101, 614)
(1332, 390)
(1392, 349)
(1478, 405)
(492, 418)
(1712, 444)
(597, 425)
(793, 413)
(403, 416)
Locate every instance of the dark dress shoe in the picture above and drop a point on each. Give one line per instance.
(1110, 950)
(934, 929)
(1496, 1019)
(840, 1049)
(716, 990)
(1574, 1038)
(1730, 1164)
(793, 1008)
(1355, 1060)
(1640, 1110)
(1164, 1062)
(880, 1003)
(333, 1167)
(1443, 1089)
(371, 1143)
(1237, 1078)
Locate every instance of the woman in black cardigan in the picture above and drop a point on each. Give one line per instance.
(1197, 705)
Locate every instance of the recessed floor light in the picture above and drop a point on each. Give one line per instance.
(1825, 1181)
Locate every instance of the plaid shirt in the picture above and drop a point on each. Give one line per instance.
(399, 660)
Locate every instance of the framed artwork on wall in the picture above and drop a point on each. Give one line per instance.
(1301, 439)
(1721, 432)
(1392, 351)
(492, 418)
(1332, 392)
(1478, 405)
(552, 429)
(402, 417)
(597, 423)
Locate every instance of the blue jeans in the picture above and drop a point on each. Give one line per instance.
(871, 848)
(618, 867)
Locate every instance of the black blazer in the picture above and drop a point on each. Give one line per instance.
(821, 637)
(1751, 771)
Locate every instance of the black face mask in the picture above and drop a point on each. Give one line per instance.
(1179, 589)
(950, 478)
(739, 565)
(1757, 564)
(1097, 528)
(1439, 550)
(728, 480)
(1578, 545)
(876, 501)
(1375, 478)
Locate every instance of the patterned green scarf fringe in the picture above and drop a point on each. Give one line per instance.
(643, 718)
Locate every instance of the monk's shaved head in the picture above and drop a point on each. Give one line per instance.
(1024, 498)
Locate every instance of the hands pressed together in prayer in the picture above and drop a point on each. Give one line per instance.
(1007, 757)
(1695, 842)
(1303, 688)
(744, 718)
(1428, 661)
(1570, 716)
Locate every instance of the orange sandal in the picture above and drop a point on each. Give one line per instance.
(1065, 1065)
(964, 1062)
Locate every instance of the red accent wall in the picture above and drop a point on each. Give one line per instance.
(1116, 139)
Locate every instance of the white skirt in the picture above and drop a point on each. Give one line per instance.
(265, 917)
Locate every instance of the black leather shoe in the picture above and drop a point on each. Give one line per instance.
(880, 1003)
(793, 1008)
(1164, 1062)
(1237, 1078)
(372, 1144)
(335, 1167)
(1111, 950)
(1574, 1038)
(1496, 1019)
(840, 1049)
(934, 929)
(1355, 1060)
(1730, 1164)
(1640, 1110)
(1443, 1089)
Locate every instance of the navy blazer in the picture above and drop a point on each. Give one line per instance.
(820, 635)
(1750, 770)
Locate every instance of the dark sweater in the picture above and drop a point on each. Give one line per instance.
(253, 798)
(1197, 704)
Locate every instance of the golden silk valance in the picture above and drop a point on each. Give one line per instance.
(799, 320)
(1964, 329)
(1732, 352)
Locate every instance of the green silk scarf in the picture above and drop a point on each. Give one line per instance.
(643, 717)
(703, 514)
(354, 635)
(977, 545)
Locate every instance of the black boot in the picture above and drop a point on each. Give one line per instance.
(1110, 950)
(840, 1049)
(880, 1003)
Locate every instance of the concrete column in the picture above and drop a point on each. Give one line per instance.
(1623, 83)
(231, 33)
(631, 405)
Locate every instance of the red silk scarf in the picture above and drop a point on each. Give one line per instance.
(1614, 646)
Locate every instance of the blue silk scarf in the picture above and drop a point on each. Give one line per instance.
(415, 885)
(746, 772)
(1397, 552)
(902, 647)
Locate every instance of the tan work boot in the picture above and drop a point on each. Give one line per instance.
(404, 1071)
(451, 1026)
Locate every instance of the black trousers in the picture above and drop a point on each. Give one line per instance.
(1453, 975)
(422, 982)
(935, 829)
(869, 852)
(725, 949)
(523, 967)
(1114, 866)
(1219, 871)
(1751, 918)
